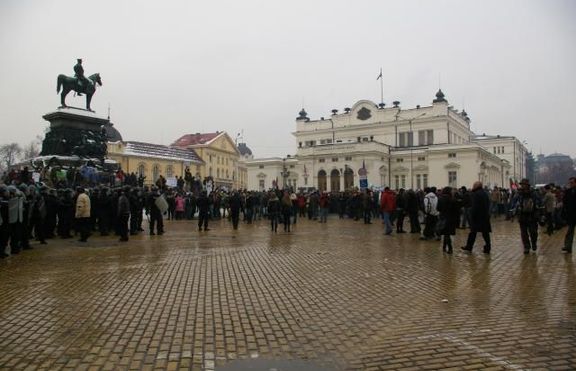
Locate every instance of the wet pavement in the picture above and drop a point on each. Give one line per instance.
(329, 296)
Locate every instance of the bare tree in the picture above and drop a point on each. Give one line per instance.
(32, 149)
(9, 153)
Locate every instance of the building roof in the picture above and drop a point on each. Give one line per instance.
(244, 150)
(112, 134)
(160, 151)
(196, 139)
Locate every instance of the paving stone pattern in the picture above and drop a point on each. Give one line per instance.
(335, 296)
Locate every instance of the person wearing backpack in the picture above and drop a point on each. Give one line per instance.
(527, 206)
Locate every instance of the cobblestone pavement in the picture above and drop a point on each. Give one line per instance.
(329, 296)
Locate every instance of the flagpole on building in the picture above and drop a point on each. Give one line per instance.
(381, 86)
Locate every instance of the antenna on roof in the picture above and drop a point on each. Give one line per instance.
(108, 111)
(439, 81)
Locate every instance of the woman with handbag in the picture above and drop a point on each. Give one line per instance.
(448, 220)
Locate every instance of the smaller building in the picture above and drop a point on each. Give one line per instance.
(221, 156)
(152, 160)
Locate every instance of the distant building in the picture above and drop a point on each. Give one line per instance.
(400, 148)
(219, 153)
(555, 168)
(152, 160)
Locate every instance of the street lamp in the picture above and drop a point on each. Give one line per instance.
(285, 173)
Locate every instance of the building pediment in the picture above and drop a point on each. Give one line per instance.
(421, 168)
(261, 175)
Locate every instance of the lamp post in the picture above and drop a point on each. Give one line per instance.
(285, 173)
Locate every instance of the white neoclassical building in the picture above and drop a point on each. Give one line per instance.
(396, 147)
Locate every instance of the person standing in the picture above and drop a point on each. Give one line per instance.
(154, 211)
(123, 214)
(235, 203)
(400, 210)
(412, 209)
(431, 213)
(527, 205)
(388, 206)
(449, 210)
(479, 218)
(273, 207)
(286, 205)
(569, 212)
(83, 214)
(549, 207)
(203, 207)
(323, 205)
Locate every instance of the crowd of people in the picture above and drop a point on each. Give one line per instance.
(30, 211)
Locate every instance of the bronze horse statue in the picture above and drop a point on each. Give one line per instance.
(71, 83)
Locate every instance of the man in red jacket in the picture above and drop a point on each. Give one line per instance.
(388, 205)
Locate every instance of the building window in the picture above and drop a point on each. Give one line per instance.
(260, 166)
(155, 172)
(502, 150)
(292, 166)
(210, 172)
(397, 181)
(217, 173)
(403, 181)
(452, 179)
(261, 184)
(452, 155)
(141, 170)
(349, 158)
(334, 159)
(227, 173)
(418, 181)
(421, 158)
(424, 180)
(321, 160)
(425, 137)
(406, 139)
(399, 160)
(169, 171)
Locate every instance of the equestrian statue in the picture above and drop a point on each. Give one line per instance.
(79, 83)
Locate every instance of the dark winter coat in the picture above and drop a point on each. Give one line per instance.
(449, 209)
(569, 208)
(480, 211)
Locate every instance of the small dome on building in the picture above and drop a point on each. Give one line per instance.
(244, 150)
(439, 97)
(112, 135)
(302, 115)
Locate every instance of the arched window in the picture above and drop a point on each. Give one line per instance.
(348, 178)
(322, 180)
(335, 181)
(141, 169)
(169, 171)
(155, 172)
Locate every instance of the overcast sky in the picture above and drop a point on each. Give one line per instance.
(175, 67)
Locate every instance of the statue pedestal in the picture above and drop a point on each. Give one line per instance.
(75, 132)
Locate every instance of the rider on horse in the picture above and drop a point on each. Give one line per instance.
(79, 74)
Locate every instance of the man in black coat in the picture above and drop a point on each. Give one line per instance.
(235, 206)
(479, 218)
(569, 212)
(203, 207)
(527, 205)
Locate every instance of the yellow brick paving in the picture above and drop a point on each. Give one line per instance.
(339, 295)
